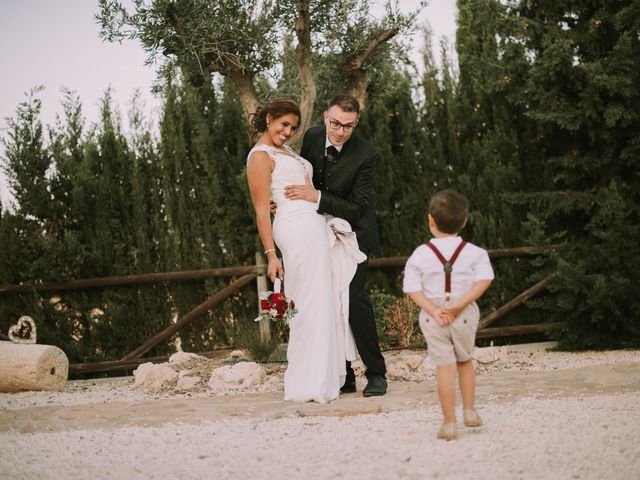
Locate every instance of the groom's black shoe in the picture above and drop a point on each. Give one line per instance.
(350, 382)
(377, 386)
(349, 386)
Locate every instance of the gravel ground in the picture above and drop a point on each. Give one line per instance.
(591, 435)
(523, 358)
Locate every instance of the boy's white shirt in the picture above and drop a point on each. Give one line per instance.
(424, 272)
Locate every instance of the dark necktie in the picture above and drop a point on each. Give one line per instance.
(332, 154)
(326, 163)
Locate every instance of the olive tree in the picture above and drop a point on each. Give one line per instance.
(243, 40)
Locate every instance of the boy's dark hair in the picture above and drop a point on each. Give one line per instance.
(449, 210)
(347, 103)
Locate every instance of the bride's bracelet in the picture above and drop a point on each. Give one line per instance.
(269, 250)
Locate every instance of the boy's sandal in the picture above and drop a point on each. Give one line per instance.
(471, 418)
(448, 431)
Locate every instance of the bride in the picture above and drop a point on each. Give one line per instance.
(299, 232)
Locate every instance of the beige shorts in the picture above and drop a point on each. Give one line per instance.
(454, 342)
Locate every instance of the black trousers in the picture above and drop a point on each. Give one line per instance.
(363, 325)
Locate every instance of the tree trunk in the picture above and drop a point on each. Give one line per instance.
(355, 70)
(243, 82)
(32, 367)
(308, 89)
(358, 83)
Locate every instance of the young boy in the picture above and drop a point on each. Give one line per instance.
(444, 277)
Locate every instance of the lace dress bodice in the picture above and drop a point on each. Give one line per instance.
(290, 169)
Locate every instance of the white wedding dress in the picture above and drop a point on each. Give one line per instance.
(313, 370)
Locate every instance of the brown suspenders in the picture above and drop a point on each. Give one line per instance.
(447, 265)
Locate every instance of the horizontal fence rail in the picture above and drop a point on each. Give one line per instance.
(246, 275)
(257, 270)
(125, 280)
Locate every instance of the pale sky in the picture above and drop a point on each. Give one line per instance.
(55, 43)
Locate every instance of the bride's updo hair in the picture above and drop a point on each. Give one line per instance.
(276, 108)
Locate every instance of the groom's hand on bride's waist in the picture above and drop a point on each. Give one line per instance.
(302, 192)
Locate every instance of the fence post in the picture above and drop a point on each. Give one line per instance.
(261, 281)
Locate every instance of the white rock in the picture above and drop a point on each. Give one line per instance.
(182, 358)
(490, 354)
(236, 354)
(154, 378)
(273, 380)
(414, 360)
(358, 368)
(240, 374)
(427, 366)
(398, 369)
(186, 383)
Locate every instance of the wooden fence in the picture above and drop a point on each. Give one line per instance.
(246, 275)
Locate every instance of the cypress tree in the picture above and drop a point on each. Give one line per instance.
(203, 150)
(585, 86)
(115, 211)
(498, 168)
(26, 164)
(439, 126)
(403, 174)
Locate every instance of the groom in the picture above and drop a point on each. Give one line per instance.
(344, 180)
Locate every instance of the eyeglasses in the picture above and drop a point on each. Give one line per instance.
(335, 125)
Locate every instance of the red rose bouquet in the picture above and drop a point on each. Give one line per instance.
(275, 306)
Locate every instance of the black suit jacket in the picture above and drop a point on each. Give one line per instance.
(347, 185)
